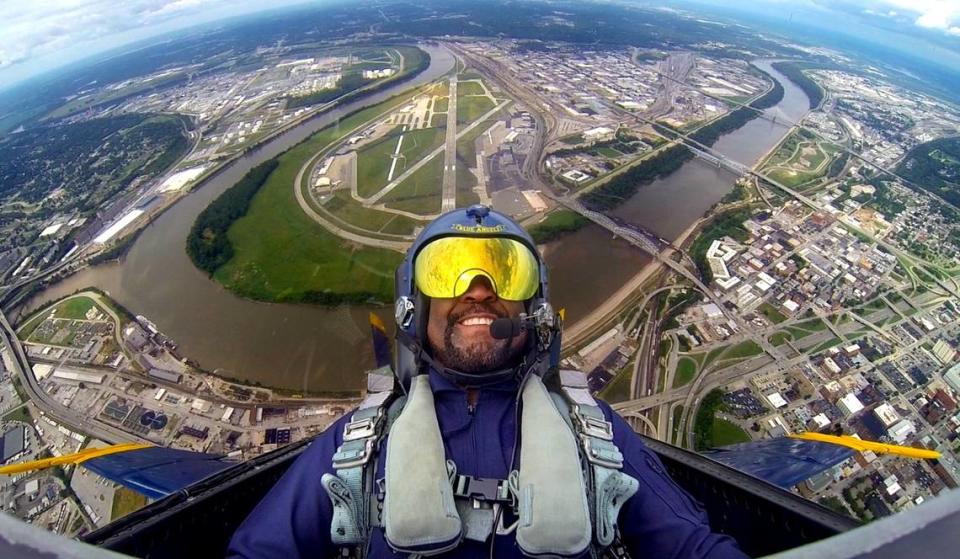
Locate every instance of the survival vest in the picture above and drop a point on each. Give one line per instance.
(566, 494)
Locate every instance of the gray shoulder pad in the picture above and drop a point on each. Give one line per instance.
(554, 513)
(419, 511)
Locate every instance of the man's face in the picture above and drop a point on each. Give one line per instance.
(458, 330)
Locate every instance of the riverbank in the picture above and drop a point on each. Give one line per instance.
(300, 348)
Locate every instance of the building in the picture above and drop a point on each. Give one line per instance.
(135, 337)
(776, 400)
(12, 443)
(849, 404)
(944, 352)
(886, 415)
(75, 375)
(598, 134)
(952, 378)
(200, 406)
(162, 374)
(901, 430)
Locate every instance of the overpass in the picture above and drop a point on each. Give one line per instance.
(47, 404)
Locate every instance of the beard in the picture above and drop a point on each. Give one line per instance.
(476, 356)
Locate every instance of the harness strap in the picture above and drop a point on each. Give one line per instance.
(608, 487)
(350, 489)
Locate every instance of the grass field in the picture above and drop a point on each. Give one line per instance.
(618, 390)
(126, 501)
(373, 162)
(792, 179)
(686, 370)
(803, 329)
(299, 260)
(743, 350)
(466, 144)
(780, 338)
(420, 192)
(470, 109)
(772, 314)
(344, 207)
(438, 120)
(609, 152)
(440, 105)
(75, 308)
(726, 432)
(466, 180)
(400, 225)
(470, 88)
(826, 345)
(22, 413)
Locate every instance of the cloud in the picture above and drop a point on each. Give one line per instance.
(45, 29)
(943, 15)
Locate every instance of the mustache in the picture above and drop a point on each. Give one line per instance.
(476, 308)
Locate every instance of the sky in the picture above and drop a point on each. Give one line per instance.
(39, 35)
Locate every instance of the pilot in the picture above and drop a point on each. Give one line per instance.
(480, 446)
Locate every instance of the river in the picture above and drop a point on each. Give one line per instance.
(308, 348)
(669, 205)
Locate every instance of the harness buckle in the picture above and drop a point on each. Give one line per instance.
(360, 429)
(602, 453)
(481, 489)
(593, 426)
(353, 457)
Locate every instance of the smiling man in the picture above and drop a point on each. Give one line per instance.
(482, 447)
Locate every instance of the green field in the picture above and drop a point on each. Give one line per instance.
(609, 152)
(780, 338)
(345, 208)
(726, 433)
(466, 144)
(440, 104)
(826, 345)
(739, 352)
(299, 261)
(470, 109)
(420, 192)
(75, 308)
(470, 88)
(714, 353)
(686, 370)
(803, 329)
(618, 389)
(373, 161)
(438, 121)
(559, 222)
(772, 314)
(792, 179)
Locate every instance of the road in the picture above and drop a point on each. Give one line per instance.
(49, 406)
(449, 201)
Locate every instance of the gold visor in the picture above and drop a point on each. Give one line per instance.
(445, 267)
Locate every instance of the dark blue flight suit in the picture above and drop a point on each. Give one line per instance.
(659, 521)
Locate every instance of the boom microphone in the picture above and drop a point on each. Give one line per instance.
(505, 328)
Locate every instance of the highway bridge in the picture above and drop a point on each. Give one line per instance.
(47, 404)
